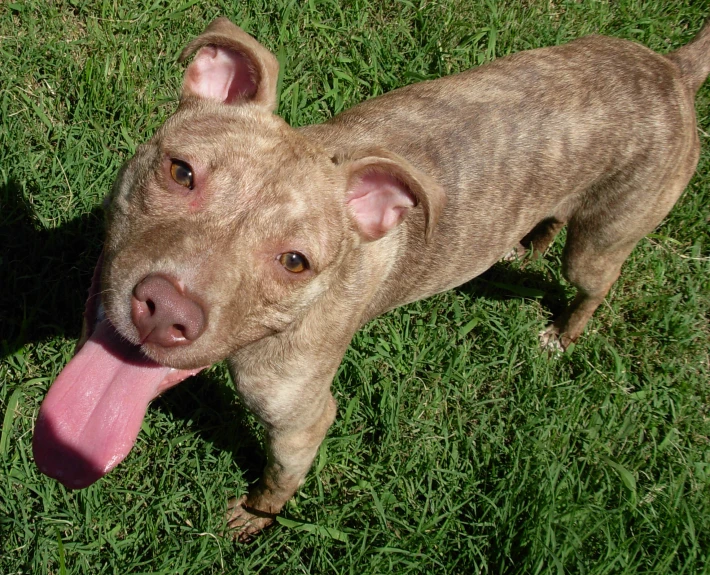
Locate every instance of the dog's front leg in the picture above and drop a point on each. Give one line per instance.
(296, 412)
(290, 451)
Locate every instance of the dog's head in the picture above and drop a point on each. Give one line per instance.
(233, 219)
(223, 229)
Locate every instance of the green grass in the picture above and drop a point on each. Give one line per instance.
(459, 447)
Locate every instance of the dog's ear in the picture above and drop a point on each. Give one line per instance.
(230, 67)
(383, 187)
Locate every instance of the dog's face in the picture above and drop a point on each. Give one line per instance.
(238, 211)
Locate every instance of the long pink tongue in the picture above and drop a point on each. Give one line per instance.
(91, 416)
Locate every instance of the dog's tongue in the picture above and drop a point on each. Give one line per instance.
(91, 416)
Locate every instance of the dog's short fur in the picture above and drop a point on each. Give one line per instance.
(401, 197)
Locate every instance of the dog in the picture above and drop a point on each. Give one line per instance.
(231, 235)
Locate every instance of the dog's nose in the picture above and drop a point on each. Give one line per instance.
(164, 314)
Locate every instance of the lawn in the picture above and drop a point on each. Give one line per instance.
(459, 448)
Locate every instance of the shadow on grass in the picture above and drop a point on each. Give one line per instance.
(219, 418)
(44, 272)
(504, 282)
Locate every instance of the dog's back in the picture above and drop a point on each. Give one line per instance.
(587, 133)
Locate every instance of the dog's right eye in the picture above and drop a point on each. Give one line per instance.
(181, 172)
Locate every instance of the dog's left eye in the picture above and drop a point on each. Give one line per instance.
(294, 262)
(181, 172)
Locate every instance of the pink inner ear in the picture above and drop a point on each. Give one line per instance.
(222, 75)
(379, 202)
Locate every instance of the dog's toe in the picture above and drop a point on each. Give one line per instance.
(517, 253)
(245, 523)
(551, 341)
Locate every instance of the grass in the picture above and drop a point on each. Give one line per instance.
(459, 448)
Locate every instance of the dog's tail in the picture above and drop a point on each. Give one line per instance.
(694, 59)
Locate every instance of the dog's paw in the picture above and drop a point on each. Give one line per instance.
(551, 341)
(245, 522)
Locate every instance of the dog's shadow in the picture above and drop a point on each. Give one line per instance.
(45, 274)
(210, 405)
(504, 281)
(45, 271)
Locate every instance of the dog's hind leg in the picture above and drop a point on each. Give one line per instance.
(592, 272)
(601, 235)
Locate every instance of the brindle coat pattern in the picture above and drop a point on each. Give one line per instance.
(598, 134)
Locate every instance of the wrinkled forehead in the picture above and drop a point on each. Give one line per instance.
(217, 135)
(253, 167)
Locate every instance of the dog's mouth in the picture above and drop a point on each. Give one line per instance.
(93, 412)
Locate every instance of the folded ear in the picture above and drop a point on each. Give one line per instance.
(230, 67)
(382, 189)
